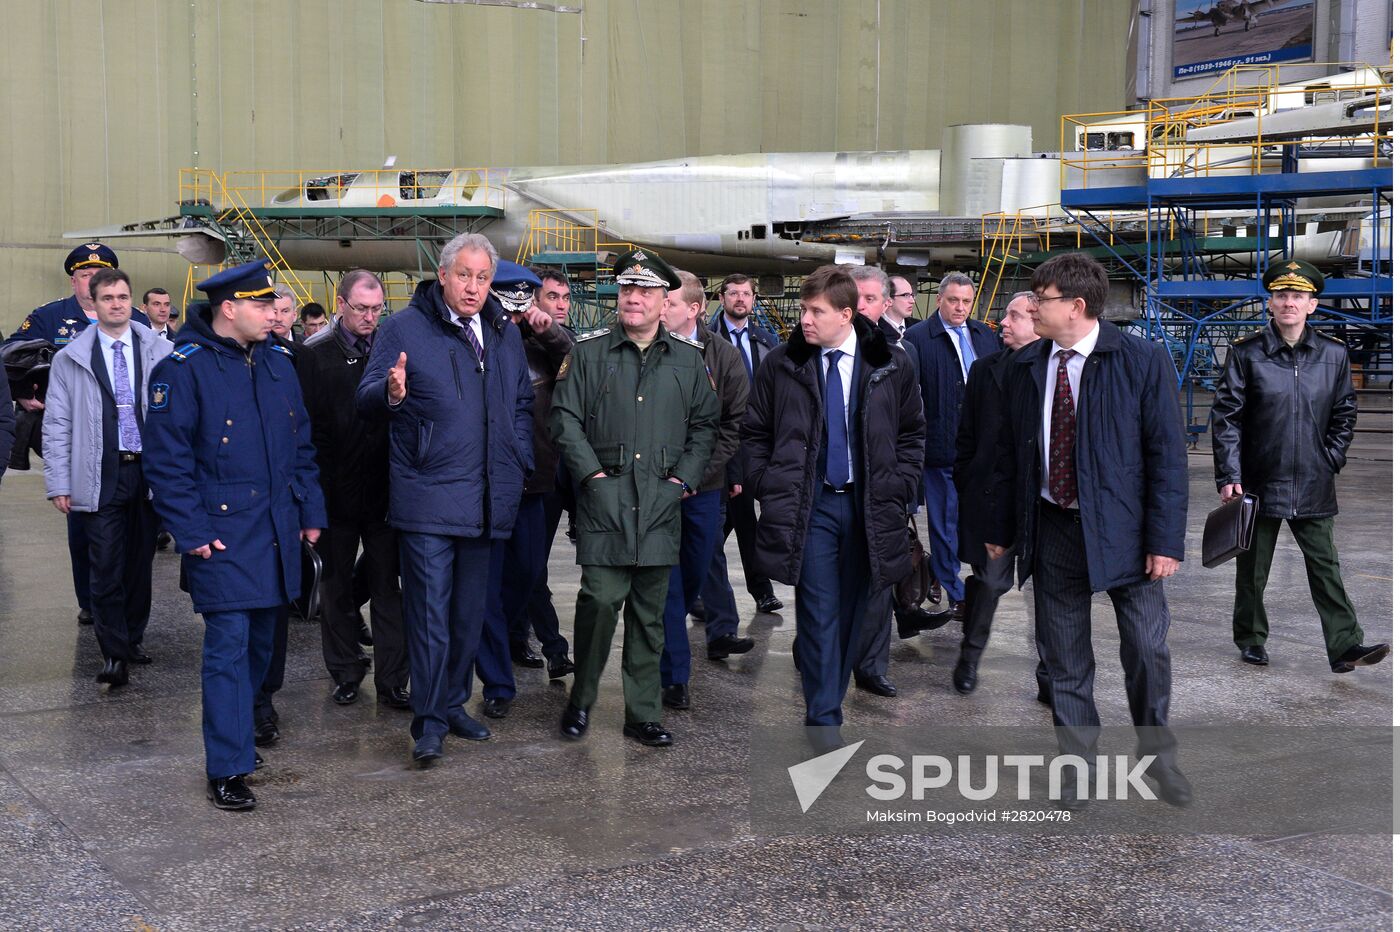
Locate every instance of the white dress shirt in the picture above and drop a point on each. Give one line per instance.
(1075, 367)
(743, 346)
(108, 344)
(846, 365)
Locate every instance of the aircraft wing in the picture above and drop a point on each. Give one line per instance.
(170, 226)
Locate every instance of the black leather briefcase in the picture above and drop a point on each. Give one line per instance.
(1229, 530)
(309, 603)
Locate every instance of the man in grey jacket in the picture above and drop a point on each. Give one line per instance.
(94, 416)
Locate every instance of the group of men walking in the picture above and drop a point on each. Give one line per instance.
(436, 448)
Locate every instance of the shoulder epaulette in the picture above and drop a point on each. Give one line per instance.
(279, 348)
(181, 353)
(592, 334)
(695, 343)
(1328, 336)
(1247, 337)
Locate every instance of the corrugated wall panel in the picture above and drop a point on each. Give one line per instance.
(108, 99)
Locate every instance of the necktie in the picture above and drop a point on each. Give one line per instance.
(968, 356)
(1064, 482)
(126, 413)
(738, 336)
(362, 347)
(475, 344)
(838, 465)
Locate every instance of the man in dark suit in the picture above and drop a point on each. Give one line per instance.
(973, 474)
(450, 372)
(736, 325)
(836, 433)
(1091, 486)
(160, 312)
(945, 346)
(352, 454)
(95, 418)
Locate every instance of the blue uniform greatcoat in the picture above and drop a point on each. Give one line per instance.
(60, 321)
(228, 452)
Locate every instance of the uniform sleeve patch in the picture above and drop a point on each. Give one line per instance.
(27, 324)
(160, 396)
(564, 367)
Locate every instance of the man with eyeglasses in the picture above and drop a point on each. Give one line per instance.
(901, 310)
(1091, 486)
(944, 348)
(353, 456)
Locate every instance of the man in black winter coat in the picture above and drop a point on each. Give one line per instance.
(1281, 425)
(353, 455)
(973, 473)
(835, 430)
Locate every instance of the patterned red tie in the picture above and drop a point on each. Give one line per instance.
(1064, 485)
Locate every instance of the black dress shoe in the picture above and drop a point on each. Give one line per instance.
(164, 540)
(345, 693)
(722, 647)
(957, 611)
(676, 696)
(649, 733)
(427, 749)
(770, 603)
(496, 708)
(265, 733)
(1360, 656)
(138, 656)
(113, 673)
(525, 657)
(258, 761)
(1172, 785)
(464, 726)
(1043, 696)
(84, 617)
(231, 793)
(573, 724)
(1255, 654)
(913, 621)
(560, 666)
(697, 612)
(396, 698)
(879, 684)
(964, 677)
(935, 593)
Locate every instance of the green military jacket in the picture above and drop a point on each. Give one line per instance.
(640, 420)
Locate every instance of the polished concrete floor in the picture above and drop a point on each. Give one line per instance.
(104, 824)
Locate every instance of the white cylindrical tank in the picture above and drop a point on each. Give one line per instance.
(1030, 183)
(969, 183)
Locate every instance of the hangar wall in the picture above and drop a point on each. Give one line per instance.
(108, 99)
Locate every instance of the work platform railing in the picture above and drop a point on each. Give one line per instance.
(377, 189)
(1244, 107)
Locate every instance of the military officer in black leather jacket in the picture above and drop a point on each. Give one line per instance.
(1281, 425)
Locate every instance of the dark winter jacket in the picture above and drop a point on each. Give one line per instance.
(785, 430)
(544, 353)
(1283, 420)
(351, 451)
(726, 368)
(1130, 456)
(461, 442)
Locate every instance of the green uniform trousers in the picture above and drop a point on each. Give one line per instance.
(1314, 537)
(603, 591)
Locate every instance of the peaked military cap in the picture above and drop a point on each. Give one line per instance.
(251, 281)
(644, 267)
(90, 256)
(514, 286)
(1293, 275)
